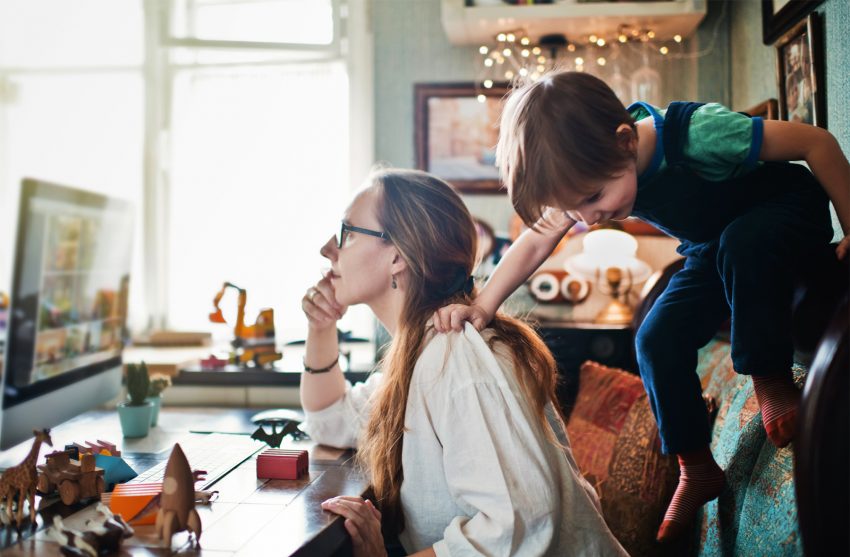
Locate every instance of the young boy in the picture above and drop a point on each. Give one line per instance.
(718, 181)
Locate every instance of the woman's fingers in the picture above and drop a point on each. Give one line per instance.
(375, 511)
(362, 521)
(315, 313)
(326, 289)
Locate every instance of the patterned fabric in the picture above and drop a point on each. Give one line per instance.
(615, 443)
(757, 514)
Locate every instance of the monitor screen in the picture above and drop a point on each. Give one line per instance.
(69, 290)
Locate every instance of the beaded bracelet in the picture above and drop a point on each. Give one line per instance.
(309, 369)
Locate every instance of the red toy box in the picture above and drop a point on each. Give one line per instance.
(282, 464)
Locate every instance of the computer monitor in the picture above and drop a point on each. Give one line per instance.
(67, 322)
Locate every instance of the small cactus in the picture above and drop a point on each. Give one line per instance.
(138, 383)
(159, 383)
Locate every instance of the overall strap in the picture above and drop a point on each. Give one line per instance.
(658, 123)
(676, 123)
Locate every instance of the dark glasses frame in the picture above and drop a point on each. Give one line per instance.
(348, 228)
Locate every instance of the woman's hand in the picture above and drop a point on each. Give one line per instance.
(320, 305)
(363, 522)
(451, 317)
(843, 247)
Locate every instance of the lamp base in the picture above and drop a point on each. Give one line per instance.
(615, 313)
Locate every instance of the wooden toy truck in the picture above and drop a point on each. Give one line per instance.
(75, 479)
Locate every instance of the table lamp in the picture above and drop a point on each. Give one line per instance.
(608, 259)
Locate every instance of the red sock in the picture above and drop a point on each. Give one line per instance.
(778, 399)
(700, 481)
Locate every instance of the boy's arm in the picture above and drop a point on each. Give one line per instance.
(526, 254)
(794, 141)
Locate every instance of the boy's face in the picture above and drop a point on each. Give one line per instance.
(613, 201)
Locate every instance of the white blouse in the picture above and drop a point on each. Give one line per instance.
(480, 475)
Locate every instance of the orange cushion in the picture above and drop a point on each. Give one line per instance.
(615, 443)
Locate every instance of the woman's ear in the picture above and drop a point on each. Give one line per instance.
(627, 138)
(398, 265)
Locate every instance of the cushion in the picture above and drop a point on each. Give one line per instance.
(616, 446)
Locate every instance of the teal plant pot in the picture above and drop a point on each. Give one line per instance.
(156, 400)
(135, 420)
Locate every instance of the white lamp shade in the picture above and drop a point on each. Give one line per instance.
(608, 248)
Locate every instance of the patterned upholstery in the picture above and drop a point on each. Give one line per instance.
(615, 443)
(757, 513)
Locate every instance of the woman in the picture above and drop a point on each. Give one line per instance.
(455, 433)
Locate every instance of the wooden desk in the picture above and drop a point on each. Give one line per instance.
(250, 516)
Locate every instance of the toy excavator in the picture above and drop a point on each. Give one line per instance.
(254, 343)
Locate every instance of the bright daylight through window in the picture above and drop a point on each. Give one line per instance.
(225, 123)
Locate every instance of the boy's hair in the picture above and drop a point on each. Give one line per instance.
(557, 141)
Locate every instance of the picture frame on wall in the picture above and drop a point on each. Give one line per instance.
(778, 16)
(456, 129)
(799, 73)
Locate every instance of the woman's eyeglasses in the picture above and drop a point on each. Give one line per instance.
(346, 228)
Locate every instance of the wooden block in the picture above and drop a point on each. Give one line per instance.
(129, 499)
(282, 464)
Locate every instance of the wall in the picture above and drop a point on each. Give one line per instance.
(754, 64)
(411, 47)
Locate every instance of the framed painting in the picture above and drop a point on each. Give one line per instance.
(456, 133)
(799, 73)
(778, 16)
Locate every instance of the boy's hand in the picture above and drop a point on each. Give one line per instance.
(843, 247)
(451, 317)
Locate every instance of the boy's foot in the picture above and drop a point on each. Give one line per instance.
(778, 399)
(700, 481)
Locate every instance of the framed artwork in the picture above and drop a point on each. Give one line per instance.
(778, 16)
(799, 73)
(456, 133)
(767, 110)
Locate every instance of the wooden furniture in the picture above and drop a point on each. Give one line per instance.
(250, 516)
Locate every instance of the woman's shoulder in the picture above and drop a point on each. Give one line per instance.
(461, 358)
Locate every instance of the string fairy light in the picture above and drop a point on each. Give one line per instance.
(515, 54)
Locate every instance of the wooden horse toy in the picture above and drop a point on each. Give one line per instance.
(21, 480)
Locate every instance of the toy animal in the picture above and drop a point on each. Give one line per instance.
(104, 539)
(21, 480)
(273, 439)
(177, 500)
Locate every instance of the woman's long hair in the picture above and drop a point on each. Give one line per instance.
(435, 234)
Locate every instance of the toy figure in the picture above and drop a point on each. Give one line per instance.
(105, 539)
(21, 480)
(177, 501)
(273, 439)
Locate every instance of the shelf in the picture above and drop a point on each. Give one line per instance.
(480, 24)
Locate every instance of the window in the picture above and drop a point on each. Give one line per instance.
(227, 122)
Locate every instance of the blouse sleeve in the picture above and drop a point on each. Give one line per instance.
(496, 471)
(722, 143)
(341, 423)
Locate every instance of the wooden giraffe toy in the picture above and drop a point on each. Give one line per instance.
(22, 479)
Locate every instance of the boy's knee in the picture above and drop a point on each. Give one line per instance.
(650, 343)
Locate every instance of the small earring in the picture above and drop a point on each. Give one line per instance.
(394, 283)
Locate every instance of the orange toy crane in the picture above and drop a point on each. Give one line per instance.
(251, 343)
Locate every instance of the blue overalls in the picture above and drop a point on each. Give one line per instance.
(742, 239)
